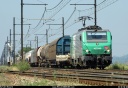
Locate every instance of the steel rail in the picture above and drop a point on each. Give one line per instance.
(97, 79)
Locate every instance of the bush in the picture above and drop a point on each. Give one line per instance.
(23, 66)
(118, 66)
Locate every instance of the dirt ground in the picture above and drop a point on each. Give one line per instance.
(7, 79)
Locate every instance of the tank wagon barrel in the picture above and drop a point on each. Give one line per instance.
(28, 56)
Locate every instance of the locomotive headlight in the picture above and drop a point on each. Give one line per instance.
(108, 50)
(87, 51)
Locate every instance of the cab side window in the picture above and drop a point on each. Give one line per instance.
(80, 38)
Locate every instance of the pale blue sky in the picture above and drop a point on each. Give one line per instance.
(113, 18)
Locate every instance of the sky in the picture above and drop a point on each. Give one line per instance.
(111, 16)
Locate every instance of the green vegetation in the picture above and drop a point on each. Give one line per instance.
(4, 68)
(23, 66)
(35, 82)
(25, 49)
(20, 66)
(4, 81)
(118, 66)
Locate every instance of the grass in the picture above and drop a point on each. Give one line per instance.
(118, 66)
(4, 68)
(23, 66)
(3, 80)
(17, 80)
(34, 81)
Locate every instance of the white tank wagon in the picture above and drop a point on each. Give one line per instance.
(39, 57)
(33, 60)
(44, 55)
(44, 51)
(28, 56)
(36, 59)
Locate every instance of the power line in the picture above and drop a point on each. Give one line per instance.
(64, 4)
(51, 16)
(40, 19)
(68, 18)
(106, 2)
(110, 3)
(55, 13)
(40, 1)
(27, 33)
(40, 22)
(60, 8)
(92, 7)
(37, 24)
(56, 5)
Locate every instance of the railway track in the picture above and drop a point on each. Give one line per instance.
(81, 71)
(90, 77)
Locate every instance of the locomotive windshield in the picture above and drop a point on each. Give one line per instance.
(97, 36)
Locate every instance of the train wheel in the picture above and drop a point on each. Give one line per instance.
(86, 67)
(71, 66)
(61, 66)
(103, 67)
(47, 65)
(55, 66)
(78, 67)
(93, 67)
(100, 67)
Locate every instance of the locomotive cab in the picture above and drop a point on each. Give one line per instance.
(92, 47)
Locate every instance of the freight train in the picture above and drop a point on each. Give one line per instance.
(52, 54)
(90, 47)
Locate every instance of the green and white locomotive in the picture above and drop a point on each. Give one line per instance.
(91, 47)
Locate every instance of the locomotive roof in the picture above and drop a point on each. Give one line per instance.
(92, 28)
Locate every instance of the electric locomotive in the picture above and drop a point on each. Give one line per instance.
(91, 47)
